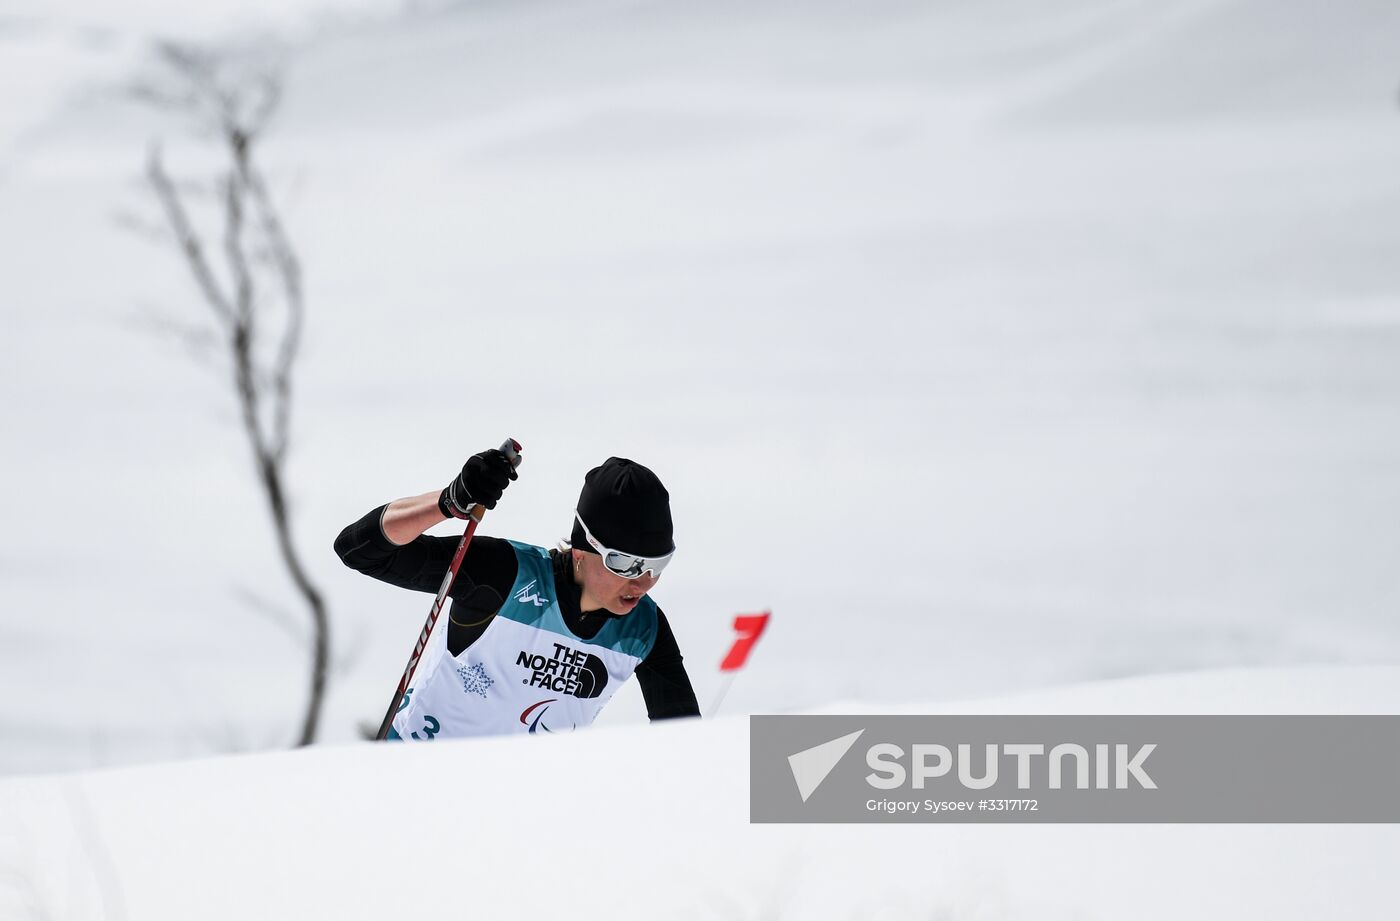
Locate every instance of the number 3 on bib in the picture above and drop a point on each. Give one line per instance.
(430, 728)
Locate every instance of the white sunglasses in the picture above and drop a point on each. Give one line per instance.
(621, 563)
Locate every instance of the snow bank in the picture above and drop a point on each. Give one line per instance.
(648, 822)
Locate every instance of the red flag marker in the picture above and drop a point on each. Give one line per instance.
(750, 627)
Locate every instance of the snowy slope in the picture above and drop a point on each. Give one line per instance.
(1086, 314)
(648, 822)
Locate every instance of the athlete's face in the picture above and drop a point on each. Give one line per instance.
(603, 589)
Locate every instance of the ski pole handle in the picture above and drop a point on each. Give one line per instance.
(511, 449)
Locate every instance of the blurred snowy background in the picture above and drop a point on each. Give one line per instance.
(994, 346)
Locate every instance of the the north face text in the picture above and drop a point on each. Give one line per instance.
(568, 671)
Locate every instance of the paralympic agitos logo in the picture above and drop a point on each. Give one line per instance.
(568, 671)
(533, 716)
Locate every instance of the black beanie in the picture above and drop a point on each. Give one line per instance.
(626, 509)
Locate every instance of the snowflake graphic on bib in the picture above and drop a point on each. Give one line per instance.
(474, 679)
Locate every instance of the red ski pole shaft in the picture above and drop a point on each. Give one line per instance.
(511, 449)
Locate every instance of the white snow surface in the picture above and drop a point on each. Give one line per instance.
(646, 822)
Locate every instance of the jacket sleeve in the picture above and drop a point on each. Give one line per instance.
(421, 564)
(664, 682)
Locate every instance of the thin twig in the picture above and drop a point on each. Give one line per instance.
(288, 267)
(186, 238)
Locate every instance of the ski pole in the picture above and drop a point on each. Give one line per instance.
(511, 449)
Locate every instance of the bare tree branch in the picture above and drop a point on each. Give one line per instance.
(275, 614)
(199, 340)
(261, 268)
(288, 268)
(186, 237)
(140, 226)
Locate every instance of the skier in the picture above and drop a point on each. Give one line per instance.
(537, 640)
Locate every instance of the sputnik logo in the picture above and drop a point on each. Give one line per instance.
(812, 765)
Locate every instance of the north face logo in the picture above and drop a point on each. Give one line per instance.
(568, 671)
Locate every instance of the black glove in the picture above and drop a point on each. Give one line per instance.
(482, 480)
